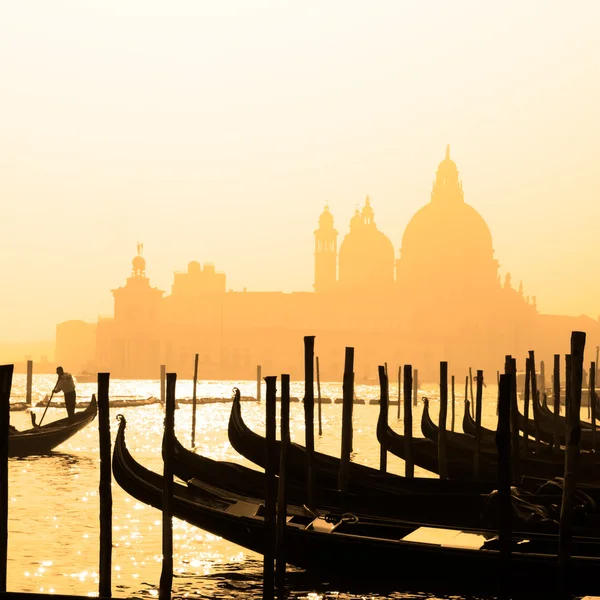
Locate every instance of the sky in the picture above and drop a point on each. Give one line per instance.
(217, 131)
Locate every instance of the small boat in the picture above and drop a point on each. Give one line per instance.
(393, 554)
(86, 377)
(43, 439)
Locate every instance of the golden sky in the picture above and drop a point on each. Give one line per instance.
(216, 131)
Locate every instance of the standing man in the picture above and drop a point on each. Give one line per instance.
(66, 385)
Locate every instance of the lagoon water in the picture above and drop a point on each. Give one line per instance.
(54, 507)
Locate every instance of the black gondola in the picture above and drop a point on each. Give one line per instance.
(43, 439)
(392, 554)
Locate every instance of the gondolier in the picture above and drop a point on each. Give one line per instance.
(66, 385)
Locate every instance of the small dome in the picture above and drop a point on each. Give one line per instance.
(194, 268)
(326, 218)
(139, 265)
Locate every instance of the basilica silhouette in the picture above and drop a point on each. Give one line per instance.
(441, 299)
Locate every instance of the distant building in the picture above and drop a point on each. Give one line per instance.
(441, 299)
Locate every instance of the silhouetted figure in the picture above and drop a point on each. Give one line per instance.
(66, 385)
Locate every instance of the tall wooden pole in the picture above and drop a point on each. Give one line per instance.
(442, 456)
(163, 376)
(270, 470)
(571, 457)
(348, 401)
(282, 485)
(415, 386)
(29, 382)
(478, 408)
(105, 490)
(526, 399)
(534, 395)
(258, 381)
(503, 443)
(399, 388)
(511, 369)
(383, 414)
(409, 465)
(319, 397)
(556, 383)
(6, 374)
(471, 389)
(453, 403)
(166, 575)
(309, 415)
(592, 401)
(194, 402)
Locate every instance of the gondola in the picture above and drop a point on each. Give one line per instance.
(392, 554)
(43, 439)
(362, 480)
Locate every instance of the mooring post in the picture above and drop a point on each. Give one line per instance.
(535, 398)
(194, 402)
(471, 388)
(478, 408)
(556, 402)
(498, 395)
(105, 490)
(409, 465)
(592, 401)
(526, 399)
(503, 444)
(258, 381)
(453, 403)
(29, 382)
(542, 377)
(415, 386)
(567, 383)
(270, 491)
(399, 388)
(163, 376)
(384, 400)
(282, 485)
(6, 373)
(510, 368)
(442, 456)
(309, 415)
(347, 404)
(319, 398)
(166, 575)
(573, 435)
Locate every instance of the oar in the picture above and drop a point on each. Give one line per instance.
(48, 403)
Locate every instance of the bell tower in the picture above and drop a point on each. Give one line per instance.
(325, 253)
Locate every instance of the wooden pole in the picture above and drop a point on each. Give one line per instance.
(166, 575)
(409, 465)
(348, 401)
(592, 396)
(597, 360)
(309, 415)
(415, 386)
(503, 444)
(6, 374)
(573, 408)
(319, 397)
(471, 388)
(478, 407)
(29, 382)
(498, 395)
(453, 403)
(258, 382)
(526, 399)
(163, 372)
(399, 388)
(567, 380)
(270, 470)
(511, 369)
(542, 377)
(442, 456)
(556, 402)
(383, 414)
(105, 490)
(535, 398)
(282, 483)
(194, 402)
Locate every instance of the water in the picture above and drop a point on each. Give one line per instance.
(54, 505)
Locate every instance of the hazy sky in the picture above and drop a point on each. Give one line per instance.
(216, 131)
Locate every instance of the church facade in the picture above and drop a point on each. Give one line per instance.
(440, 299)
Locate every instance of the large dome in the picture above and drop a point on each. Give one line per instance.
(447, 240)
(366, 258)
